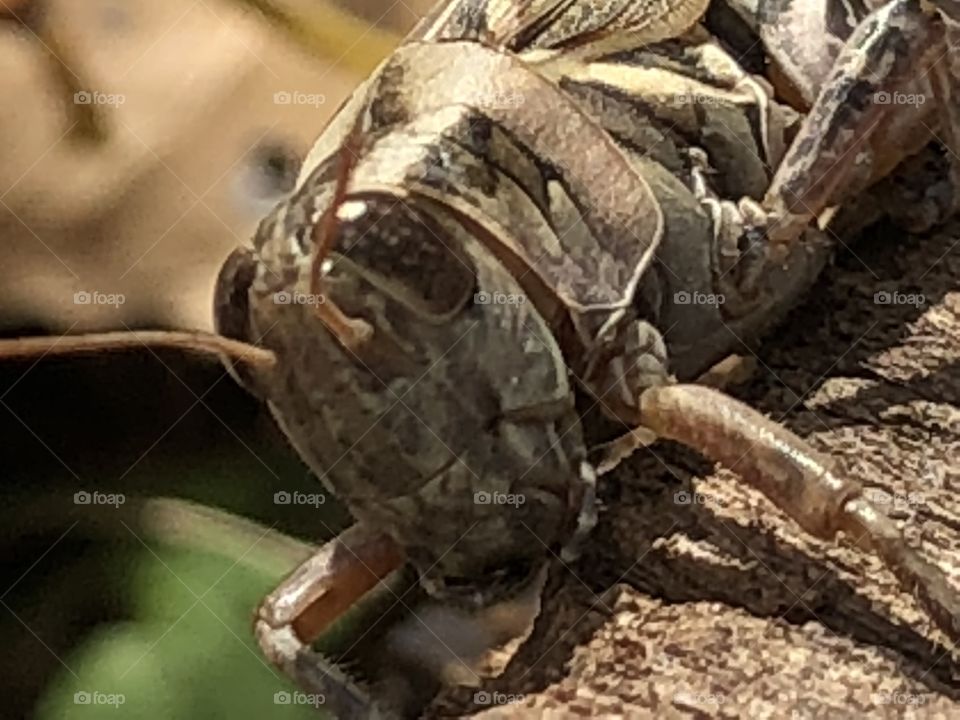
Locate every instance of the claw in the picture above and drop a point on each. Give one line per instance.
(326, 683)
(316, 596)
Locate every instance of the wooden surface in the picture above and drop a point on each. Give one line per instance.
(723, 607)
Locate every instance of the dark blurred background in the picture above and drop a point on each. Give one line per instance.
(140, 142)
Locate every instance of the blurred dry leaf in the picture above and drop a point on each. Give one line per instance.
(192, 99)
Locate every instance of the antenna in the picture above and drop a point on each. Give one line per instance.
(351, 332)
(190, 341)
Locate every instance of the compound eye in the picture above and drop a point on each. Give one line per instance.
(405, 251)
(231, 309)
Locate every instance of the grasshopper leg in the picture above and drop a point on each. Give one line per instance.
(946, 84)
(860, 127)
(830, 159)
(308, 602)
(411, 646)
(797, 479)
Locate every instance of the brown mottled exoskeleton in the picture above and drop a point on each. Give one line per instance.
(502, 252)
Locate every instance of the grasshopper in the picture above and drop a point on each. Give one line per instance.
(509, 258)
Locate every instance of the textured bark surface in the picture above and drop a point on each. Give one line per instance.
(722, 607)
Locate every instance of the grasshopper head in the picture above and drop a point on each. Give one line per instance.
(449, 423)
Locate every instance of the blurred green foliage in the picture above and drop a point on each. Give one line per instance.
(187, 651)
(154, 599)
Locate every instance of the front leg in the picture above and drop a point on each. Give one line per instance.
(799, 481)
(309, 601)
(354, 610)
(946, 83)
(852, 134)
(857, 131)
